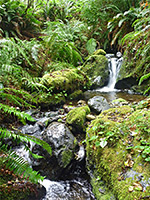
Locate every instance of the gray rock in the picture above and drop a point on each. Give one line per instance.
(63, 145)
(98, 104)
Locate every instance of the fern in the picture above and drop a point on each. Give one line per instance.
(16, 163)
(22, 116)
(144, 77)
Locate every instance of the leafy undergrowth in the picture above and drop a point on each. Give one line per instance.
(118, 149)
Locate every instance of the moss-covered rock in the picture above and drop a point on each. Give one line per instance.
(67, 80)
(130, 73)
(115, 143)
(48, 100)
(97, 66)
(77, 117)
(67, 156)
(76, 95)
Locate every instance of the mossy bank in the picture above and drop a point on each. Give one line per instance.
(118, 151)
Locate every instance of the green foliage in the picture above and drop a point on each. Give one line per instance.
(17, 19)
(121, 24)
(16, 163)
(11, 110)
(91, 45)
(145, 150)
(103, 137)
(59, 42)
(137, 46)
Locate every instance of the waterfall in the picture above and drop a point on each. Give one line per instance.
(114, 64)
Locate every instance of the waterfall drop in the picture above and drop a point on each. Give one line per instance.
(114, 64)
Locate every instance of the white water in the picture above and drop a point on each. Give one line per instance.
(114, 67)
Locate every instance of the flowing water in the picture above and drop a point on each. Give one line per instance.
(114, 65)
(109, 92)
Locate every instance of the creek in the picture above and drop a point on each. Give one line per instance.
(74, 184)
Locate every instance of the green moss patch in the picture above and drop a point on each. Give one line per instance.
(77, 117)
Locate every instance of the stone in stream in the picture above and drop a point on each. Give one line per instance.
(63, 144)
(98, 104)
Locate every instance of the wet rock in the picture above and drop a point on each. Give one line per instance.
(98, 104)
(90, 117)
(63, 144)
(126, 83)
(97, 82)
(31, 129)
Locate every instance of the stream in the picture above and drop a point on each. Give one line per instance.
(75, 183)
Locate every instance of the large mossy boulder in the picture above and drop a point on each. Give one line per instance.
(76, 118)
(67, 80)
(97, 66)
(118, 150)
(61, 84)
(130, 74)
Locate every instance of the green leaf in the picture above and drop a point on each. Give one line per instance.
(94, 137)
(91, 45)
(97, 143)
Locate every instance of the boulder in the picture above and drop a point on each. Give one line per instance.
(63, 144)
(126, 83)
(98, 104)
(96, 67)
(67, 80)
(76, 118)
(61, 84)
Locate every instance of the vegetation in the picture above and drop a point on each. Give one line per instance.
(41, 39)
(118, 146)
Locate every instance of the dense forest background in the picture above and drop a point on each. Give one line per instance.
(40, 36)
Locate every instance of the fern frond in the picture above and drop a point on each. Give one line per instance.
(144, 77)
(22, 116)
(18, 165)
(4, 133)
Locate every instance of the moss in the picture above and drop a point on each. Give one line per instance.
(46, 100)
(117, 114)
(67, 156)
(65, 80)
(117, 164)
(76, 95)
(97, 65)
(119, 100)
(100, 190)
(77, 117)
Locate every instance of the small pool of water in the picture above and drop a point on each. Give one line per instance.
(110, 96)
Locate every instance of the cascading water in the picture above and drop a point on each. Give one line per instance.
(114, 64)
